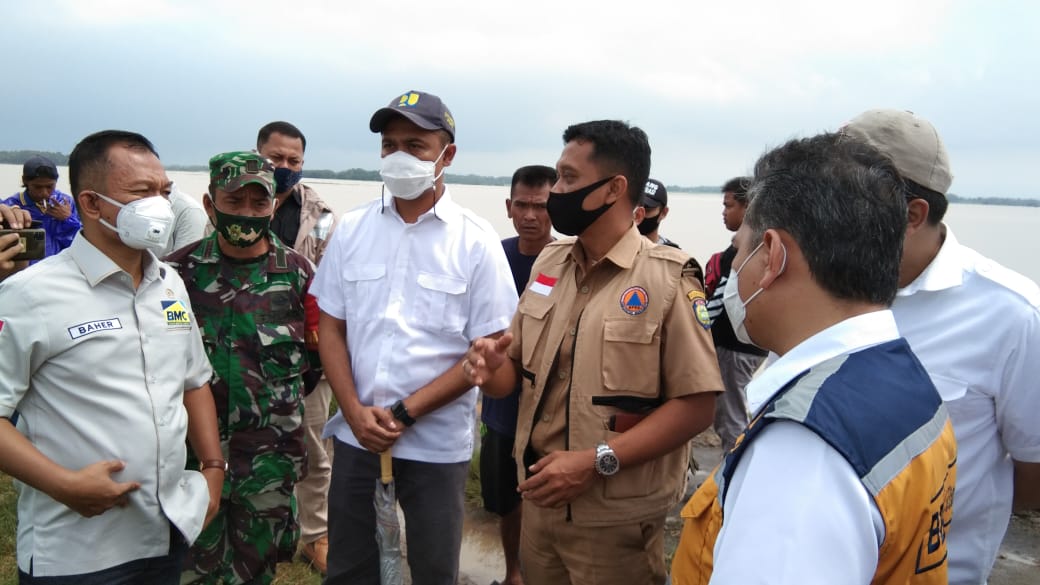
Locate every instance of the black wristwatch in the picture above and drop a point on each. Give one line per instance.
(401, 413)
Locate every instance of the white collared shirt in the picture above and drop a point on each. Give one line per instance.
(975, 326)
(795, 492)
(413, 297)
(98, 371)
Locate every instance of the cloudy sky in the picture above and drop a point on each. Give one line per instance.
(712, 83)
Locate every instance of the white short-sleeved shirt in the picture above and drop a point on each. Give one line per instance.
(975, 326)
(413, 297)
(822, 524)
(98, 371)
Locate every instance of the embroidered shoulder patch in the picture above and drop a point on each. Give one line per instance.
(700, 307)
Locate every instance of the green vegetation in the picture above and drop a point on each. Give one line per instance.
(17, 157)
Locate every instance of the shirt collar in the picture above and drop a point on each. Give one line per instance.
(97, 267)
(444, 209)
(208, 252)
(622, 254)
(943, 272)
(852, 334)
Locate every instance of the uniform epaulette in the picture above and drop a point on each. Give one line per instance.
(1001, 275)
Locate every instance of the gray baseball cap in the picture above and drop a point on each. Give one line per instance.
(911, 142)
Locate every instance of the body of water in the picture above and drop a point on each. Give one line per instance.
(694, 220)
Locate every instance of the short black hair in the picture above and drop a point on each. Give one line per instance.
(738, 186)
(620, 148)
(279, 127)
(843, 202)
(89, 159)
(532, 176)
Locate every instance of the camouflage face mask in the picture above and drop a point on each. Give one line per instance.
(242, 230)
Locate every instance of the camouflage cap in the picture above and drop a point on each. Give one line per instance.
(230, 171)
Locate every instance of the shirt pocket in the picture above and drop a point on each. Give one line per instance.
(440, 303)
(631, 356)
(534, 321)
(364, 290)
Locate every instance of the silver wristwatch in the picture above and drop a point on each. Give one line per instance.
(607, 463)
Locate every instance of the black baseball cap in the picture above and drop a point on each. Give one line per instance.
(654, 194)
(425, 110)
(39, 166)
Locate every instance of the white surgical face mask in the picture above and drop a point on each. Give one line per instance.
(407, 177)
(735, 307)
(142, 223)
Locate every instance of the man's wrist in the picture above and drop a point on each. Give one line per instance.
(400, 412)
(220, 464)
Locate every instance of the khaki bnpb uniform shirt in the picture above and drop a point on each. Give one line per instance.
(622, 338)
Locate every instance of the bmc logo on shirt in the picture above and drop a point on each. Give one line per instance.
(176, 315)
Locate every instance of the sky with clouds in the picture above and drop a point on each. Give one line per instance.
(713, 83)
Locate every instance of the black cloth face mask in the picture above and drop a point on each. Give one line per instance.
(566, 213)
(649, 224)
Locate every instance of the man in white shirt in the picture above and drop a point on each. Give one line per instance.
(975, 325)
(406, 283)
(846, 473)
(107, 369)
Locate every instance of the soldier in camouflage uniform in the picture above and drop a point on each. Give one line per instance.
(249, 294)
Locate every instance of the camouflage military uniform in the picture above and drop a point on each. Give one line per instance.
(252, 321)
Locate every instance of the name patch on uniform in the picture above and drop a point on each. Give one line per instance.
(176, 315)
(543, 284)
(634, 300)
(84, 329)
(700, 307)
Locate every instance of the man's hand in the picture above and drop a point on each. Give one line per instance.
(91, 491)
(374, 427)
(559, 478)
(484, 357)
(215, 482)
(59, 211)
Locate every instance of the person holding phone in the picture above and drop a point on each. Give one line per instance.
(46, 204)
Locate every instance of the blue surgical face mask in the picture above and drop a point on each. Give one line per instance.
(285, 179)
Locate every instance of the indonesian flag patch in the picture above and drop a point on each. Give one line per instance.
(543, 284)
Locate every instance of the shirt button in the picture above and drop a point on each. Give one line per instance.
(562, 375)
(545, 418)
(574, 331)
(585, 289)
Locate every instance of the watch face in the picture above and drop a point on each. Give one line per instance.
(607, 463)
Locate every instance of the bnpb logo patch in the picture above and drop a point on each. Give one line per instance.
(634, 300)
(176, 315)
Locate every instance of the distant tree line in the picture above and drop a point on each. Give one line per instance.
(17, 157)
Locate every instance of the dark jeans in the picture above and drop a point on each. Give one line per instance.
(164, 570)
(431, 495)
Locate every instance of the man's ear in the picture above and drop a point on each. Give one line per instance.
(87, 203)
(663, 214)
(616, 189)
(774, 253)
(449, 155)
(509, 208)
(916, 215)
(638, 214)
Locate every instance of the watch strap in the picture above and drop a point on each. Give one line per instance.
(400, 412)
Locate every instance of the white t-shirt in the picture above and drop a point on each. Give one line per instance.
(413, 297)
(795, 491)
(98, 371)
(975, 326)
